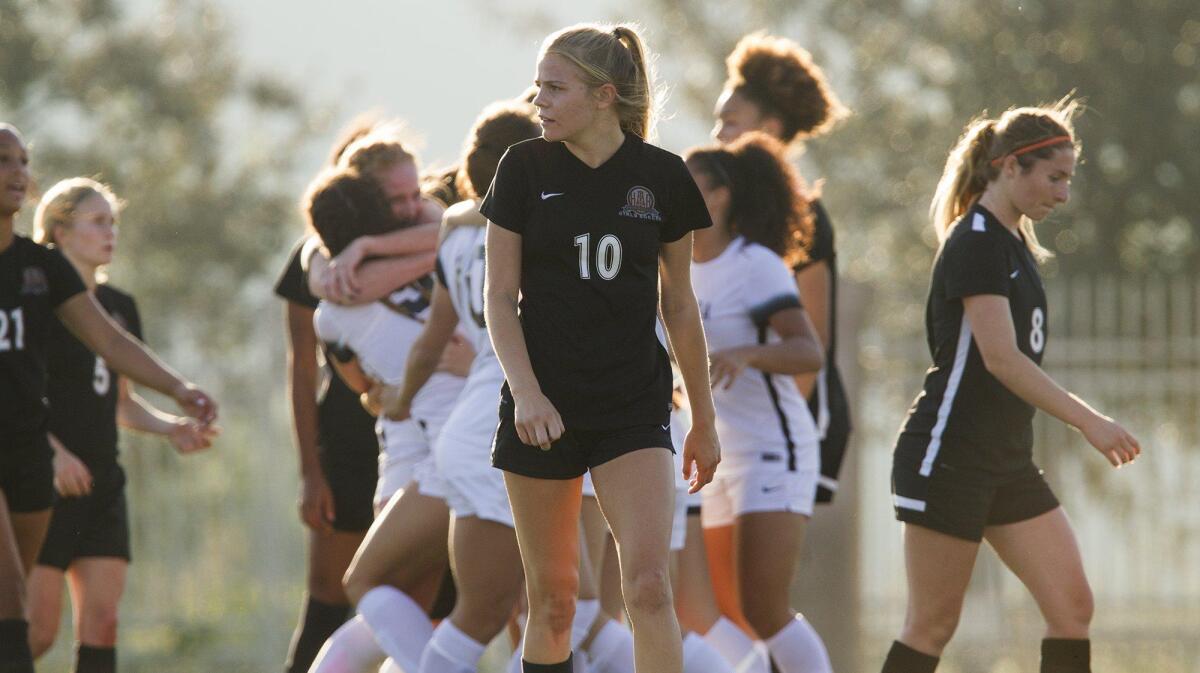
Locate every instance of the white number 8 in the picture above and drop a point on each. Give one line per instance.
(1037, 336)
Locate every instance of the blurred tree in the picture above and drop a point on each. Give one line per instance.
(915, 72)
(200, 149)
(149, 107)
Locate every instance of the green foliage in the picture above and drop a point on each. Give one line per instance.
(915, 72)
(149, 108)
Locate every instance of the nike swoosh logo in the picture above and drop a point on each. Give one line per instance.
(666, 427)
(546, 196)
(769, 489)
(1014, 273)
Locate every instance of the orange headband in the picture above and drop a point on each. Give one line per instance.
(1035, 146)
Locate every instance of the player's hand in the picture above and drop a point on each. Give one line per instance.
(195, 402)
(725, 366)
(1111, 440)
(538, 423)
(343, 269)
(701, 455)
(189, 435)
(391, 405)
(72, 478)
(457, 356)
(316, 503)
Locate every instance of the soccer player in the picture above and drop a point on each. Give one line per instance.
(88, 538)
(38, 285)
(584, 224)
(335, 436)
(963, 467)
(760, 338)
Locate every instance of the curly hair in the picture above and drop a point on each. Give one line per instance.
(769, 203)
(780, 77)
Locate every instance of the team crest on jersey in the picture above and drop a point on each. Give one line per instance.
(639, 203)
(33, 281)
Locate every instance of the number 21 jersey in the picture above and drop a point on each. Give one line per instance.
(965, 416)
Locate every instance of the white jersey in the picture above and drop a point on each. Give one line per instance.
(460, 269)
(762, 417)
(380, 335)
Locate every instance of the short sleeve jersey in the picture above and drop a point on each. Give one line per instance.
(968, 416)
(381, 334)
(82, 388)
(341, 420)
(761, 413)
(34, 281)
(590, 242)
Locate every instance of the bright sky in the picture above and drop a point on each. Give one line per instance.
(435, 64)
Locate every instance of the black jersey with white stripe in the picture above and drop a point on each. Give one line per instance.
(590, 243)
(967, 415)
(82, 388)
(34, 281)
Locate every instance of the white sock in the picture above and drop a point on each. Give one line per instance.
(736, 647)
(450, 651)
(798, 649)
(400, 625)
(351, 649)
(700, 657)
(611, 650)
(585, 616)
(390, 666)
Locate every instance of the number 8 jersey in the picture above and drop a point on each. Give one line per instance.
(965, 416)
(590, 243)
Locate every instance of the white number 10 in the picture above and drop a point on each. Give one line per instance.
(608, 256)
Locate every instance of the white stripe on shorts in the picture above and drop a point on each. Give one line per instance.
(909, 503)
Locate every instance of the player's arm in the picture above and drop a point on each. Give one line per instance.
(797, 351)
(185, 434)
(92, 326)
(814, 282)
(316, 500)
(346, 364)
(426, 352)
(685, 331)
(537, 422)
(995, 337)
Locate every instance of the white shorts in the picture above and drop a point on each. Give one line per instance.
(405, 456)
(472, 487)
(768, 487)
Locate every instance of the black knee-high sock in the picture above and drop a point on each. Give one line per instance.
(904, 659)
(90, 659)
(317, 622)
(15, 656)
(1066, 655)
(561, 667)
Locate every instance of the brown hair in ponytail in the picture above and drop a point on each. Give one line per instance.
(976, 159)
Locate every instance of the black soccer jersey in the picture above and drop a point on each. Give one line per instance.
(590, 241)
(828, 402)
(968, 417)
(82, 389)
(34, 281)
(343, 425)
